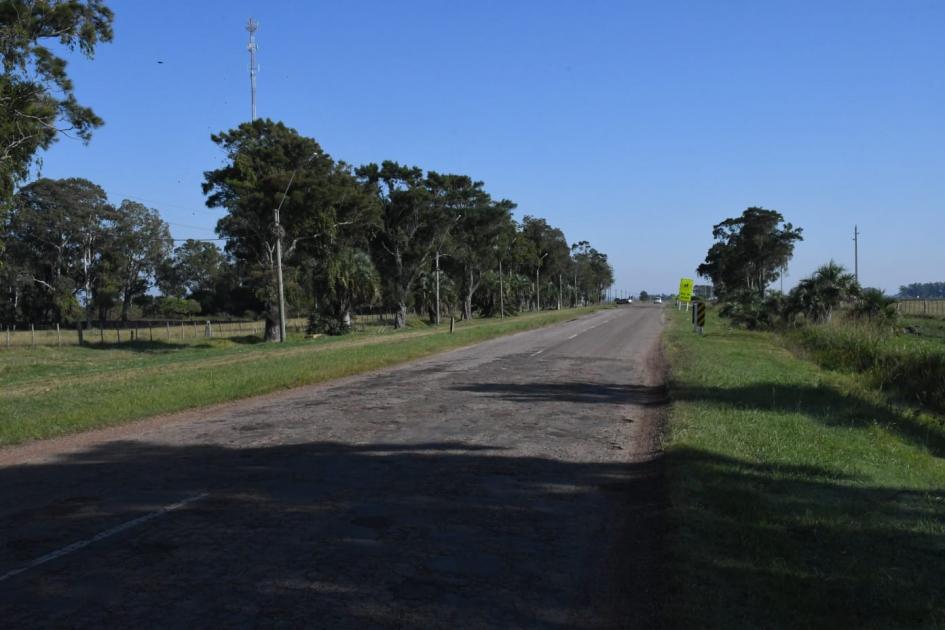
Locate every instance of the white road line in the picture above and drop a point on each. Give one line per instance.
(49, 557)
(535, 354)
(573, 336)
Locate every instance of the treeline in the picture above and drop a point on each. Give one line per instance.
(923, 291)
(387, 236)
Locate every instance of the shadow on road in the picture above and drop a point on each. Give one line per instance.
(572, 392)
(332, 535)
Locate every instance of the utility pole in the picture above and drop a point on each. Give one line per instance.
(575, 287)
(252, 26)
(559, 291)
(279, 233)
(501, 293)
(856, 253)
(537, 282)
(438, 287)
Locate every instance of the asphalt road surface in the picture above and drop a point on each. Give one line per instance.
(510, 484)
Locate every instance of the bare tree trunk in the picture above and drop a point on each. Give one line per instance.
(272, 328)
(400, 319)
(467, 301)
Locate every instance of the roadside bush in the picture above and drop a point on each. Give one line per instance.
(328, 324)
(876, 307)
(750, 310)
(915, 369)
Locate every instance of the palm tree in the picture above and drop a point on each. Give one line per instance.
(817, 296)
(348, 279)
(834, 286)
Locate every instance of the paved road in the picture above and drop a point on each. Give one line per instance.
(510, 484)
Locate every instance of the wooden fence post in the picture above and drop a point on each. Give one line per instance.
(101, 331)
(118, 332)
(8, 337)
(78, 330)
(151, 330)
(32, 336)
(58, 336)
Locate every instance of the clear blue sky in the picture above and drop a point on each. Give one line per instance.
(633, 125)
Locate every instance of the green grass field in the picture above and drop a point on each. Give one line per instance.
(48, 391)
(799, 497)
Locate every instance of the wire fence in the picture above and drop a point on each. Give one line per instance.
(930, 308)
(28, 334)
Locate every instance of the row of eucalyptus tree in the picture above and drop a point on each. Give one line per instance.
(70, 255)
(384, 234)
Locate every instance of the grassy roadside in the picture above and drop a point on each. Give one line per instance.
(48, 392)
(798, 496)
(911, 366)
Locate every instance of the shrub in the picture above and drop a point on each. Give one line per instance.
(912, 368)
(876, 307)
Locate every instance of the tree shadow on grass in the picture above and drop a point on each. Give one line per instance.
(250, 340)
(762, 546)
(825, 405)
(145, 347)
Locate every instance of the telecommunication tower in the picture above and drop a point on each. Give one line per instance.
(251, 26)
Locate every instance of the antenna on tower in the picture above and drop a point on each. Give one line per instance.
(252, 26)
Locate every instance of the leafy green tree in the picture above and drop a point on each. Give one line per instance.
(594, 273)
(263, 157)
(55, 235)
(479, 224)
(137, 243)
(37, 97)
(550, 256)
(194, 267)
(408, 230)
(174, 307)
(750, 251)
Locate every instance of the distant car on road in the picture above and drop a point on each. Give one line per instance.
(657, 300)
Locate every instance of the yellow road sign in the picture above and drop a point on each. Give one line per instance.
(685, 289)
